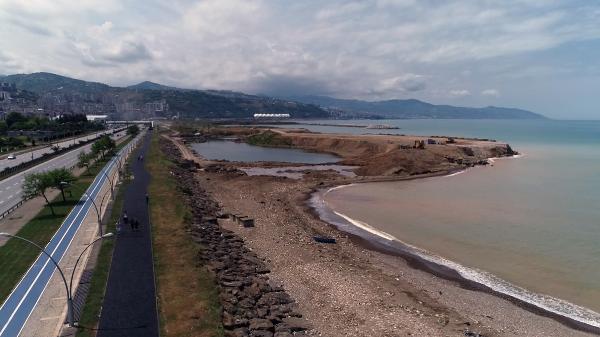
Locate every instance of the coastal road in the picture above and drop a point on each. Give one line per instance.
(19, 305)
(29, 155)
(11, 187)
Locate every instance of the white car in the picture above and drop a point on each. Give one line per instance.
(11, 156)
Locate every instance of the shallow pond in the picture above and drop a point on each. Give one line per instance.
(232, 151)
(296, 172)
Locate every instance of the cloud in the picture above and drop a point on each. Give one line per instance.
(490, 92)
(459, 93)
(366, 49)
(30, 26)
(127, 52)
(400, 84)
(282, 86)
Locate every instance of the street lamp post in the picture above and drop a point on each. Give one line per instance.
(110, 181)
(69, 286)
(97, 212)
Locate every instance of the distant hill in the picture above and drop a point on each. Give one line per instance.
(47, 82)
(193, 103)
(147, 85)
(188, 103)
(412, 108)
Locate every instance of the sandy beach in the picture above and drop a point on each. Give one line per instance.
(353, 287)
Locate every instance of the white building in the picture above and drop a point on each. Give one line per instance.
(271, 115)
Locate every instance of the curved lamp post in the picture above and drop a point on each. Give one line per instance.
(69, 286)
(112, 185)
(87, 197)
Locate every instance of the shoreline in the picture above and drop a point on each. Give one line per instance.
(418, 258)
(377, 290)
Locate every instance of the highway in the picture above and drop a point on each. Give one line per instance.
(27, 156)
(10, 188)
(17, 308)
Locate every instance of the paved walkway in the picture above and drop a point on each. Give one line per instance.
(129, 308)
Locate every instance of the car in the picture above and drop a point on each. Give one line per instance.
(11, 156)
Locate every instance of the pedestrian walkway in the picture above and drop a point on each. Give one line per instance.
(129, 308)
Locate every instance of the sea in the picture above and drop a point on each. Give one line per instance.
(526, 226)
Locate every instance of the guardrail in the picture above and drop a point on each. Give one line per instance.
(13, 208)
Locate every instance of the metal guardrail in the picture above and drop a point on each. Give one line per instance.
(13, 208)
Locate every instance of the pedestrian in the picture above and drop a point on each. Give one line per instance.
(132, 224)
(147, 198)
(137, 225)
(125, 217)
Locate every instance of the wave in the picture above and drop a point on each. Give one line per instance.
(546, 302)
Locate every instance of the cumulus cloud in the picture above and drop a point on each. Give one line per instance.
(127, 52)
(459, 93)
(491, 92)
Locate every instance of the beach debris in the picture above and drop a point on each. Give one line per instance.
(324, 239)
(419, 144)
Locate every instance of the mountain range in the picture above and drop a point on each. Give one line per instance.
(413, 108)
(192, 103)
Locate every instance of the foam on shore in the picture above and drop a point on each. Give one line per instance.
(545, 302)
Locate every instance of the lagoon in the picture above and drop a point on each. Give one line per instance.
(242, 152)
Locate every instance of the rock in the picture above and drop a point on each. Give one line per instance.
(274, 298)
(297, 324)
(261, 333)
(283, 334)
(260, 324)
(240, 332)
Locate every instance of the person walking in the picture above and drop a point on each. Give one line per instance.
(125, 217)
(147, 198)
(132, 224)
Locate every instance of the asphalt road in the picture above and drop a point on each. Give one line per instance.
(10, 188)
(27, 156)
(129, 307)
(17, 308)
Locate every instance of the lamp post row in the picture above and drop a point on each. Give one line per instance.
(69, 285)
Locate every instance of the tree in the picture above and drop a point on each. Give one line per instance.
(3, 127)
(61, 178)
(84, 159)
(103, 145)
(38, 184)
(14, 118)
(133, 130)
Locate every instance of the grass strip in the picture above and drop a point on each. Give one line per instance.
(188, 301)
(16, 256)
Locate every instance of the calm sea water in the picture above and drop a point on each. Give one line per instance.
(232, 151)
(532, 221)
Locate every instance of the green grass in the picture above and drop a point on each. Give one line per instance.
(16, 256)
(188, 301)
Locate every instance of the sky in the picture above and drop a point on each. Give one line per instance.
(539, 55)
